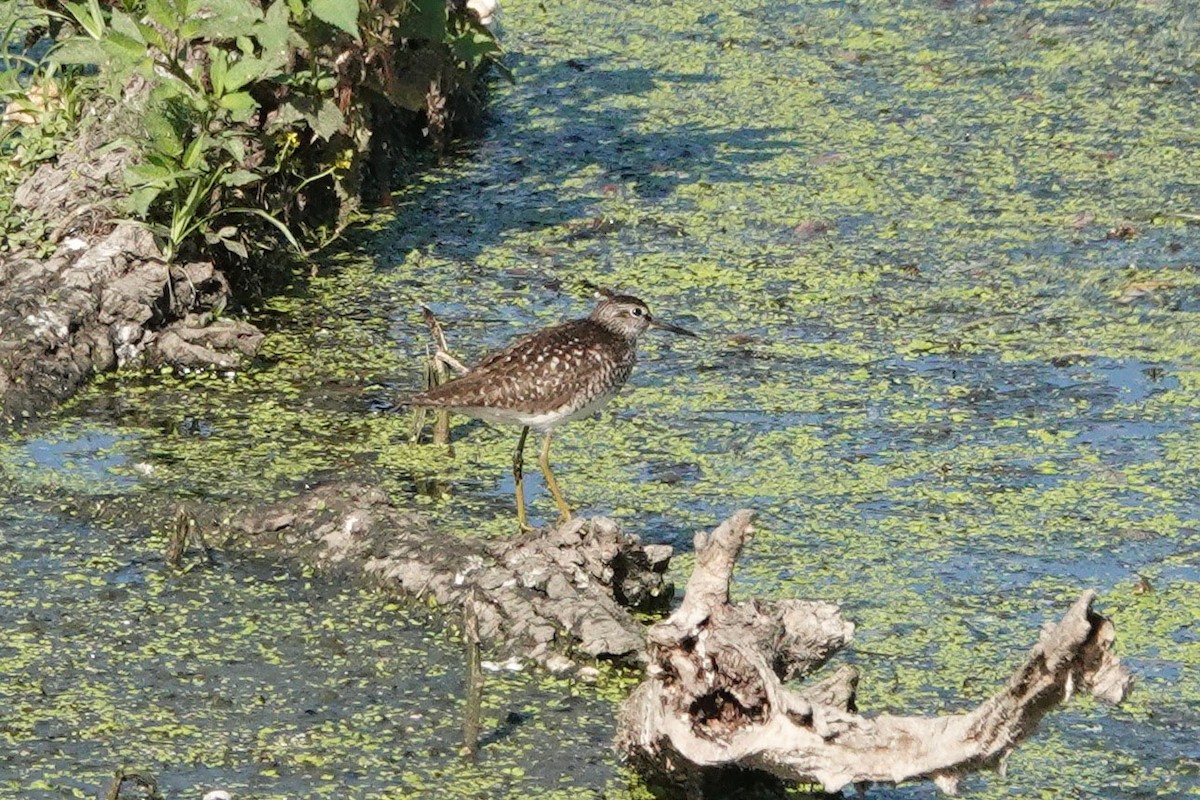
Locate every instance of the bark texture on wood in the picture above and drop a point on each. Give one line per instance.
(103, 297)
(714, 696)
(537, 596)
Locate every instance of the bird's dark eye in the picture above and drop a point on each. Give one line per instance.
(637, 312)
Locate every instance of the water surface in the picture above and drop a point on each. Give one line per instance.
(944, 260)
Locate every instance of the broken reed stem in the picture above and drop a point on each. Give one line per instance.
(441, 417)
(177, 541)
(183, 532)
(437, 373)
(474, 710)
(146, 782)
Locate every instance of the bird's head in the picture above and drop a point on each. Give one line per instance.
(628, 316)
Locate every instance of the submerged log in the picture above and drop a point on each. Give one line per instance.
(714, 696)
(546, 596)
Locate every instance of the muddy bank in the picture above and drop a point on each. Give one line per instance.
(103, 298)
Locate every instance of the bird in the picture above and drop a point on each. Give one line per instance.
(549, 378)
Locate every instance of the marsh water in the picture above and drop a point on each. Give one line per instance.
(945, 261)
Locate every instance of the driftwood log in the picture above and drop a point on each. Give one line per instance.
(550, 596)
(714, 696)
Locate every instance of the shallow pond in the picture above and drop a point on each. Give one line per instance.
(945, 262)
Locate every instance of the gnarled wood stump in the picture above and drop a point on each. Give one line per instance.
(714, 696)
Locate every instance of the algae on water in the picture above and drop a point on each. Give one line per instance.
(943, 257)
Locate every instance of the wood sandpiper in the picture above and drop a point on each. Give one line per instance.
(550, 378)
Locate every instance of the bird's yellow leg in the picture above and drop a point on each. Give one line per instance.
(564, 510)
(518, 478)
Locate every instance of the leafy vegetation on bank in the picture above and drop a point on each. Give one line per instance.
(246, 126)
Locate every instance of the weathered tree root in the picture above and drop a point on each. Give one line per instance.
(537, 596)
(714, 696)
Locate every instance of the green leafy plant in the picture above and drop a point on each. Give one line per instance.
(40, 112)
(193, 170)
(245, 114)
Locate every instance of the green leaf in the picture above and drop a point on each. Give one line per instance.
(89, 17)
(193, 156)
(141, 200)
(165, 97)
(238, 101)
(162, 160)
(148, 174)
(152, 35)
(234, 147)
(78, 50)
(163, 12)
(200, 100)
(340, 13)
(122, 23)
(155, 177)
(124, 48)
(227, 19)
(162, 134)
(218, 67)
(244, 72)
(240, 177)
(286, 116)
(234, 246)
(273, 33)
(327, 121)
(474, 46)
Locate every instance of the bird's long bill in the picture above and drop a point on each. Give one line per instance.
(666, 326)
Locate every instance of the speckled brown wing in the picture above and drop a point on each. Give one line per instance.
(565, 366)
